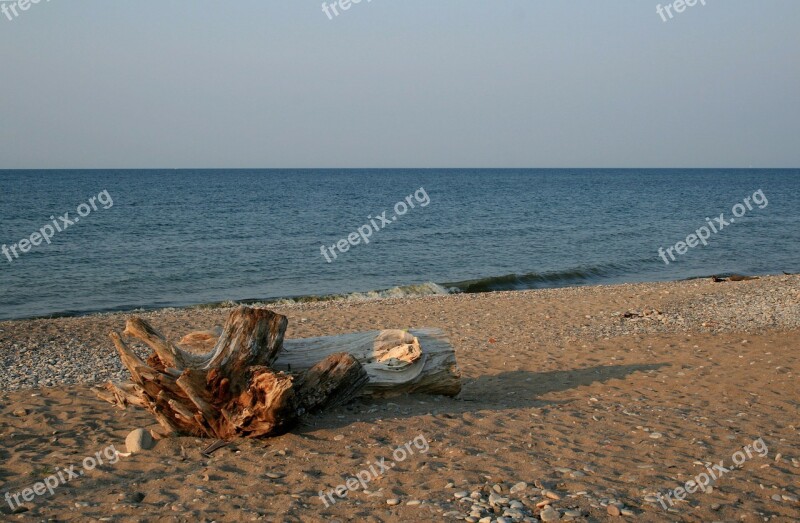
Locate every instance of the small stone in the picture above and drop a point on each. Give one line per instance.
(613, 510)
(497, 488)
(338, 437)
(777, 497)
(549, 514)
(627, 512)
(503, 520)
(790, 497)
(470, 519)
(475, 495)
(496, 499)
(392, 502)
(450, 485)
(138, 440)
(274, 475)
(552, 495)
(413, 502)
(20, 413)
(656, 435)
(519, 487)
(460, 494)
(651, 499)
(716, 506)
(516, 504)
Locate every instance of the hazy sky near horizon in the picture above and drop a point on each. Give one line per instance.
(400, 83)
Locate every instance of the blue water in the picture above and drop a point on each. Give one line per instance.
(175, 238)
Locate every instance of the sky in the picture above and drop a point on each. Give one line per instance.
(399, 83)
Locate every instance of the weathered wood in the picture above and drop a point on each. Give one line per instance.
(231, 390)
(245, 380)
(420, 361)
(335, 380)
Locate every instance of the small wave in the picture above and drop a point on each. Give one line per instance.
(535, 280)
(421, 289)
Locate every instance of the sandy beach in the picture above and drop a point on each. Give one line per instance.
(582, 404)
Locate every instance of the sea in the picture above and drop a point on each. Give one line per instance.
(147, 239)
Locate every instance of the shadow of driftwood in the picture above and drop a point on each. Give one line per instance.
(507, 390)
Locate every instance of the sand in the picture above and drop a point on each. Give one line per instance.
(596, 398)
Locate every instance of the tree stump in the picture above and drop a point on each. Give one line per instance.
(252, 383)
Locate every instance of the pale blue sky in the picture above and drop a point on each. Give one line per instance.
(400, 83)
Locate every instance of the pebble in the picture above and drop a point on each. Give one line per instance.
(461, 494)
(613, 510)
(274, 475)
(20, 413)
(790, 497)
(413, 502)
(549, 514)
(518, 487)
(550, 494)
(392, 502)
(139, 440)
(496, 499)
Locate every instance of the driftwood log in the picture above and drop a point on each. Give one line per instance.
(250, 382)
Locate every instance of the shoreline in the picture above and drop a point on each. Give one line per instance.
(398, 292)
(29, 348)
